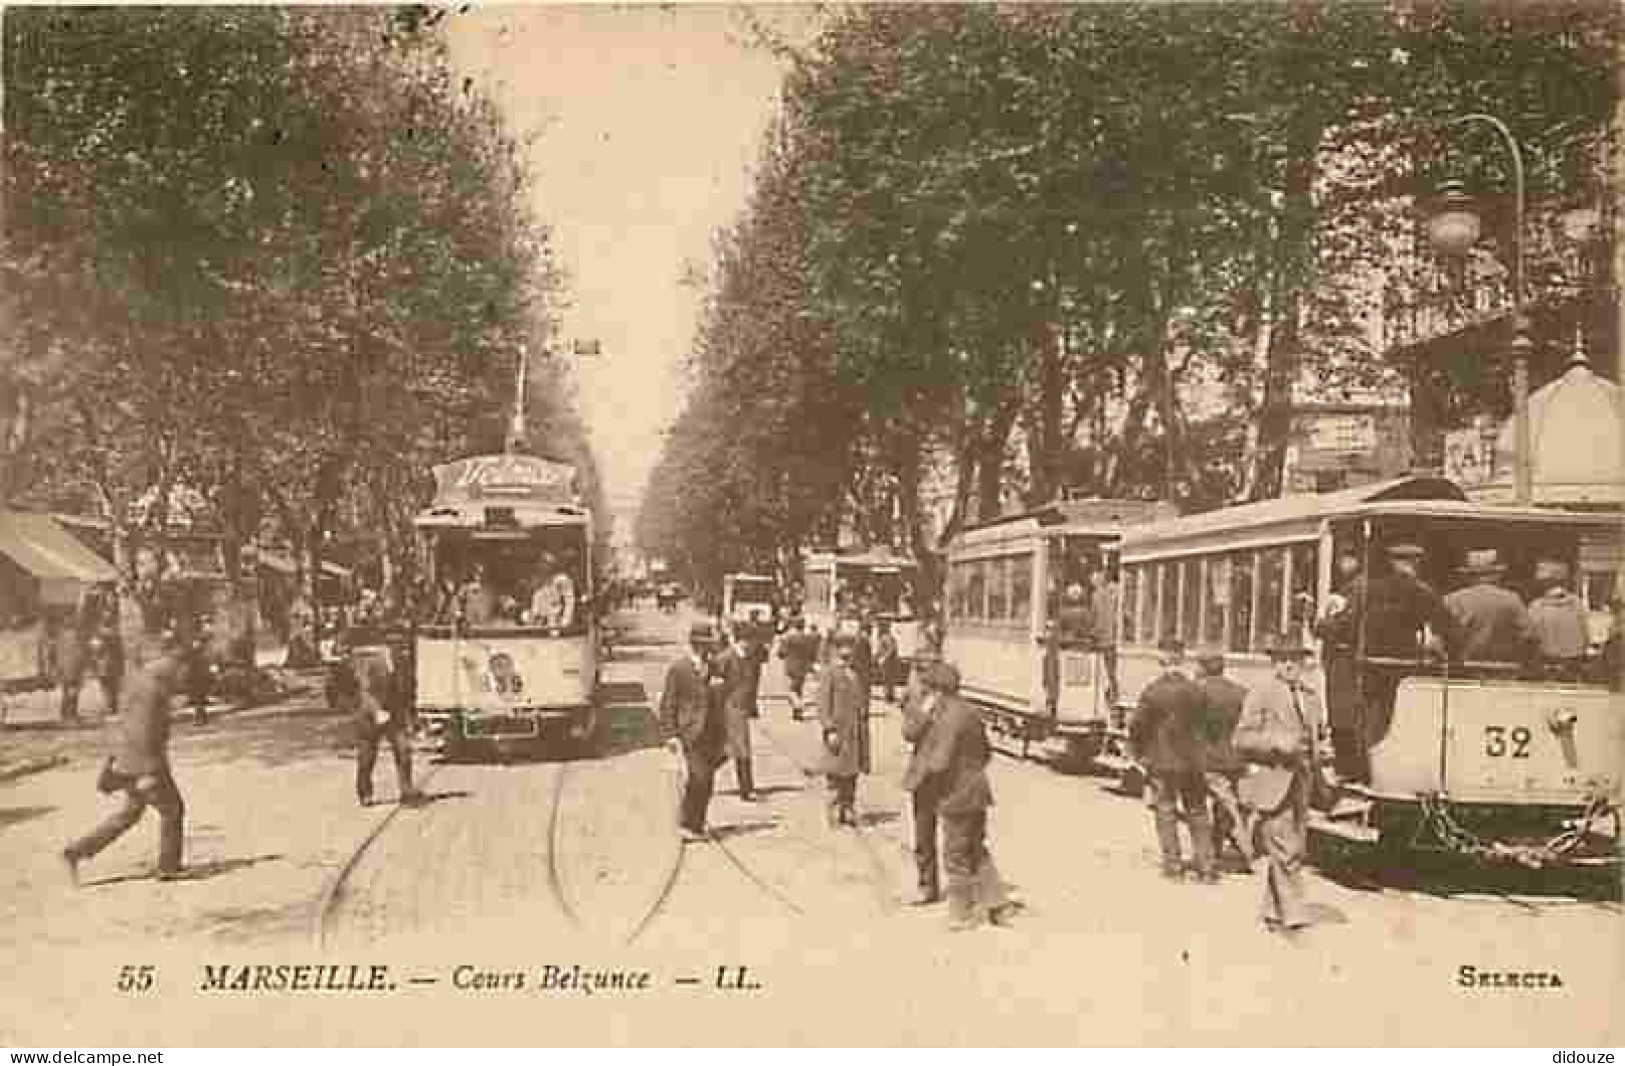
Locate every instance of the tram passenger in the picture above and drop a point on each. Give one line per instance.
(477, 601)
(1166, 735)
(1337, 633)
(798, 649)
(691, 714)
(1559, 619)
(1103, 610)
(1491, 620)
(843, 712)
(1279, 722)
(553, 603)
(1222, 700)
(1073, 617)
(737, 667)
(1388, 623)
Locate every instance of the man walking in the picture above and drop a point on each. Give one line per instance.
(1279, 723)
(691, 713)
(843, 712)
(798, 651)
(738, 668)
(140, 767)
(1166, 737)
(1222, 701)
(380, 703)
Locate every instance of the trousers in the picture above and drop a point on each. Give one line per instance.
(843, 796)
(366, 757)
(964, 846)
(697, 786)
(924, 808)
(744, 778)
(1230, 820)
(165, 798)
(1174, 791)
(1283, 837)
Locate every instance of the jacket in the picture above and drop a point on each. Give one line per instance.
(955, 754)
(843, 711)
(1167, 728)
(918, 719)
(798, 650)
(1559, 622)
(1276, 729)
(144, 739)
(1392, 609)
(1492, 624)
(688, 710)
(738, 670)
(1222, 700)
(376, 688)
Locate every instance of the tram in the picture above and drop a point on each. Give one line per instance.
(1506, 760)
(1019, 602)
(877, 585)
(509, 653)
(749, 599)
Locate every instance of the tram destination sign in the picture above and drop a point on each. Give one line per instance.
(504, 477)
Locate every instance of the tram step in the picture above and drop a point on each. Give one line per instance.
(1353, 832)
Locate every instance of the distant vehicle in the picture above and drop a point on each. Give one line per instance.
(749, 599)
(874, 585)
(668, 596)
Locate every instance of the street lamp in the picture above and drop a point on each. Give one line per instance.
(1453, 229)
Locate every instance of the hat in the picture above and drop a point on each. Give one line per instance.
(1482, 561)
(844, 639)
(1171, 644)
(1405, 550)
(1284, 647)
(1210, 653)
(941, 676)
(702, 633)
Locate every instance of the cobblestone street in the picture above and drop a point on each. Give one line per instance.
(513, 866)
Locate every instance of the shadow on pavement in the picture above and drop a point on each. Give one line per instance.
(17, 815)
(202, 871)
(742, 829)
(1450, 876)
(870, 819)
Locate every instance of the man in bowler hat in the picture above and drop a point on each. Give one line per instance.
(691, 713)
(843, 712)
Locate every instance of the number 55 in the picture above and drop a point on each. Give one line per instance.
(135, 978)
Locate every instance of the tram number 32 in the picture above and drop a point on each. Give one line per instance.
(1499, 741)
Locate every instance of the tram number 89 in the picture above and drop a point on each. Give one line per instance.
(1500, 741)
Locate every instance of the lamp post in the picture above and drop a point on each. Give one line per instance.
(1453, 229)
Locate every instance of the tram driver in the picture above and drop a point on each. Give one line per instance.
(553, 603)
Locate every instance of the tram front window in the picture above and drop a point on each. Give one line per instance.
(874, 593)
(1077, 560)
(535, 580)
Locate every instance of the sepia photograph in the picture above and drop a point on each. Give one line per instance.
(802, 525)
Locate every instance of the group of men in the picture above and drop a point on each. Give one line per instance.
(1375, 629)
(1249, 754)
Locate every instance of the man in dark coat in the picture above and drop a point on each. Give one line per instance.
(798, 650)
(1336, 632)
(920, 704)
(691, 714)
(1166, 734)
(886, 659)
(1388, 620)
(738, 669)
(371, 685)
(951, 762)
(1491, 621)
(843, 712)
(1222, 700)
(140, 767)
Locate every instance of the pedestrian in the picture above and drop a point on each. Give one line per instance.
(843, 712)
(106, 649)
(886, 659)
(863, 658)
(920, 705)
(380, 701)
(953, 753)
(1559, 620)
(1280, 720)
(1491, 621)
(798, 650)
(140, 768)
(1222, 700)
(69, 636)
(199, 670)
(1166, 736)
(1335, 630)
(691, 714)
(737, 668)
(1103, 619)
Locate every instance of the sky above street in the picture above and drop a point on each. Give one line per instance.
(647, 122)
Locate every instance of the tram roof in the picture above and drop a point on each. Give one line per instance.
(873, 558)
(518, 515)
(1096, 515)
(1306, 510)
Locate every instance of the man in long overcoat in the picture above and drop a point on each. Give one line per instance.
(372, 686)
(140, 766)
(843, 712)
(798, 650)
(1166, 734)
(1222, 700)
(691, 714)
(737, 665)
(1279, 723)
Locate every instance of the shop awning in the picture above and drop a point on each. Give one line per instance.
(40, 545)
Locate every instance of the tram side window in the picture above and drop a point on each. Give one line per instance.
(1021, 588)
(1216, 600)
(1148, 602)
(976, 590)
(1305, 579)
(1168, 605)
(1128, 606)
(1271, 590)
(1241, 601)
(998, 589)
(1190, 613)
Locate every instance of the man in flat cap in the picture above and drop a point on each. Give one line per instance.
(1166, 735)
(1279, 723)
(1491, 620)
(843, 713)
(691, 713)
